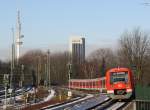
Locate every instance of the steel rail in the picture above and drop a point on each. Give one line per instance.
(116, 105)
(103, 105)
(67, 104)
(59, 104)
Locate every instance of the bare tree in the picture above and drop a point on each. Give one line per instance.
(59, 69)
(104, 58)
(34, 60)
(88, 70)
(37, 60)
(134, 49)
(4, 69)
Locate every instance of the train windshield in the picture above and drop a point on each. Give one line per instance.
(119, 77)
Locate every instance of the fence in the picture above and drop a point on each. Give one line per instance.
(142, 92)
(142, 99)
(138, 105)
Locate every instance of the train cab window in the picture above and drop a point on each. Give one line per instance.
(118, 77)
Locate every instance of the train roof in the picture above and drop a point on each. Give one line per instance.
(119, 69)
(87, 80)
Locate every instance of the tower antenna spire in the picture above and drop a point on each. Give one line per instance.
(18, 36)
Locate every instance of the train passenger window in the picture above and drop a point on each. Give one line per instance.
(118, 77)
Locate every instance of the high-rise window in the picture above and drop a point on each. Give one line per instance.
(77, 49)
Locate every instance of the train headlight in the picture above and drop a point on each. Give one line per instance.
(129, 90)
(110, 91)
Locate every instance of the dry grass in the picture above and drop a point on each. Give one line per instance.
(42, 92)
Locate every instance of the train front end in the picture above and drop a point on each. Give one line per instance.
(119, 83)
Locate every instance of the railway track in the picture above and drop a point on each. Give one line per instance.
(103, 105)
(84, 103)
(89, 102)
(118, 106)
(107, 104)
(111, 105)
(64, 105)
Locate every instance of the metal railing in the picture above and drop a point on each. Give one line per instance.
(138, 105)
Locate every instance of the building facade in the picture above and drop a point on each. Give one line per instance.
(77, 49)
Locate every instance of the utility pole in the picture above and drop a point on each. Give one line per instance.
(45, 76)
(12, 59)
(5, 81)
(22, 76)
(48, 68)
(38, 70)
(69, 77)
(69, 73)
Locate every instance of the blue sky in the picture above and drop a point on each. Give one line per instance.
(50, 23)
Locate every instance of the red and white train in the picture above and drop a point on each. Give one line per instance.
(120, 83)
(88, 84)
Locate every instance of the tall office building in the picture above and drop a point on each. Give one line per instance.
(77, 49)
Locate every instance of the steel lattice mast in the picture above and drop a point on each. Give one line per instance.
(18, 37)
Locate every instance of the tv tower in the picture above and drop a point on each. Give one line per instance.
(18, 37)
